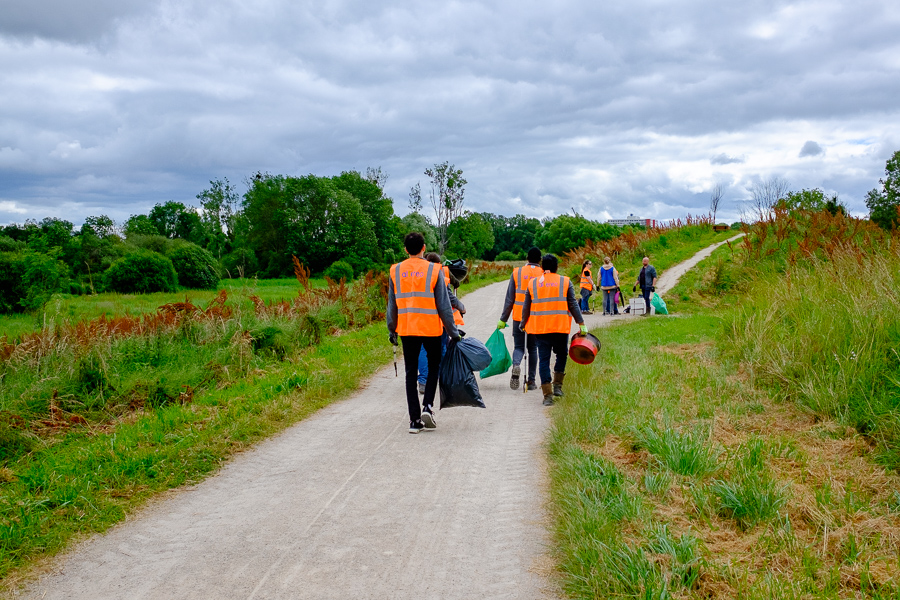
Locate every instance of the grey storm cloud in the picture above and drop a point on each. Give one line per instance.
(109, 108)
(811, 148)
(724, 159)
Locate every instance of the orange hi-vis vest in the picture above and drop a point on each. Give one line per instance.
(549, 308)
(587, 283)
(523, 276)
(414, 281)
(457, 316)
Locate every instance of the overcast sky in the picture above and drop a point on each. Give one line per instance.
(607, 108)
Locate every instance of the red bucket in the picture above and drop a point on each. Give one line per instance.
(584, 348)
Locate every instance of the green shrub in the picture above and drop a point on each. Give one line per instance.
(12, 287)
(240, 263)
(141, 272)
(7, 244)
(42, 277)
(196, 267)
(507, 255)
(339, 270)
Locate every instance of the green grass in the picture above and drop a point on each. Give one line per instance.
(87, 479)
(674, 477)
(64, 308)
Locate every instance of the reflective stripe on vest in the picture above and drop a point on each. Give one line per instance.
(414, 281)
(586, 282)
(549, 306)
(523, 279)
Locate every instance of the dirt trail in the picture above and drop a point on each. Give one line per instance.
(347, 504)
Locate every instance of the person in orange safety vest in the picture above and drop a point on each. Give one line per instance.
(515, 299)
(419, 311)
(458, 310)
(550, 305)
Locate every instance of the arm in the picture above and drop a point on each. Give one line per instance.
(526, 308)
(445, 310)
(510, 298)
(391, 308)
(653, 275)
(573, 304)
(616, 276)
(456, 302)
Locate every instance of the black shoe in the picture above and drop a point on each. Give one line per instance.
(428, 418)
(416, 426)
(531, 386)
(548, 400)
(514, 378)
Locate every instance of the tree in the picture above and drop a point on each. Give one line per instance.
(884, 204)
(511, 234)
(165, 218)
(415, 221)
(309, 217)
(140, 225)
(811, 201)
(447, 198)
(219, 203)
(764, 194)
(370, 193)
(470, 236)
(102, 226)
(565, 232)
(715, 198)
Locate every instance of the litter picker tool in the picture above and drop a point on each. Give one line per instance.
(395, 361)
(525, 387)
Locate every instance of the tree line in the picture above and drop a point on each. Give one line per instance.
(341, 226)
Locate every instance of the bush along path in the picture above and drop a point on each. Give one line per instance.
(686, 466)
(454, 513)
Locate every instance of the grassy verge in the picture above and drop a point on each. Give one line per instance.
(91, 477)
(64, 308)
(673, 476)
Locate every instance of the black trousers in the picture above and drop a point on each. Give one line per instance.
(412, 345)
(558, 344)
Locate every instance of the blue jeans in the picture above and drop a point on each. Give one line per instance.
(609, 301)
(558, 343)
(646, 292)
(585, 296)
(423, 360)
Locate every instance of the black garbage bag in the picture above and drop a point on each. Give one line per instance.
(457, 381)
(476, 353)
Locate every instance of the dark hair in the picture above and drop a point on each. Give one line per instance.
(584, 264)
(414, 242)
(534, 255)
(433, 257)
(549, 263)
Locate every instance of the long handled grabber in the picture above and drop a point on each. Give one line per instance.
(395, 361)
(525, 387)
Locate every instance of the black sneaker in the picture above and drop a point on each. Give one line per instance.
(514, 378)
(416, 426)
(531, 386)
(428, 418)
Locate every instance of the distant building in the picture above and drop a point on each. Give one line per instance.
(633, 220)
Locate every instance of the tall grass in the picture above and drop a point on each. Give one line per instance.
(826, 335)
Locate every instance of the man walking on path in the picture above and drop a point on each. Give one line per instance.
(647, 282)
(459, 309)
(418, 310)
(515, 300)
(550, 304)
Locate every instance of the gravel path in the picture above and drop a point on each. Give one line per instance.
(347, 505)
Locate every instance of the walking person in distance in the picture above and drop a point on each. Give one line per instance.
(515, 299)
(587, 286)
(609, 284)
(547, 314)
(418, 311)
(647, 282)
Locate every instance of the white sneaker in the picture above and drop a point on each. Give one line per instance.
(428, 419)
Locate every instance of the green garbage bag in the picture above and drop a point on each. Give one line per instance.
(658, 303)
(501, 361)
